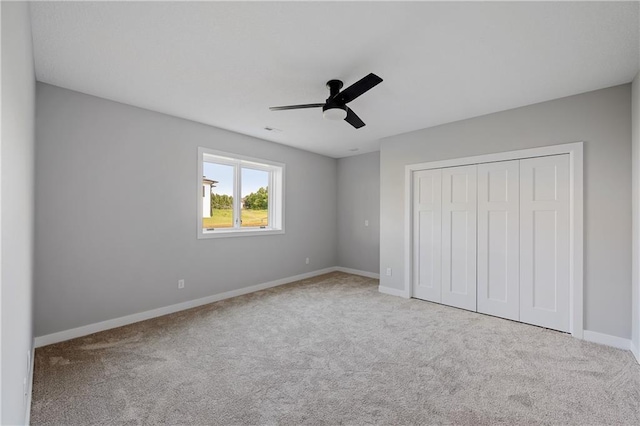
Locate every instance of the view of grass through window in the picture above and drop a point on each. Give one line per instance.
(219, 180)
(255, 198)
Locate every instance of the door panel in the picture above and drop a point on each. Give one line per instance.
(498, 239)
(544, 241)
(459, 189)
(427, 188)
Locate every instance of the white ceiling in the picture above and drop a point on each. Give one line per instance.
(224, 64)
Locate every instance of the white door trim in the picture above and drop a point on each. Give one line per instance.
(576, 245)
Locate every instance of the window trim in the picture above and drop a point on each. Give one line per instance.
(276, 194)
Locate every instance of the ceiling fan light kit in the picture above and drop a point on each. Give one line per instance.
(334, 112)
(335, 107)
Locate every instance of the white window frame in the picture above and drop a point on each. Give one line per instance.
(276, 194)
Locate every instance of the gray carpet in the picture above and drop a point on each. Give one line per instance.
(332, 350)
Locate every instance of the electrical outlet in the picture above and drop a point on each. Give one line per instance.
(306, 261)
(24, 392)
(366, 222)
(389, 272)
(180, 284)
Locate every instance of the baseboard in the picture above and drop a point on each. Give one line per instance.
(358, 272)
(27, 414)
(635, 351)
(606, 339)
(392, 291)
(85, 330)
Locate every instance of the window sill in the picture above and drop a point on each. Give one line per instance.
(204, 235)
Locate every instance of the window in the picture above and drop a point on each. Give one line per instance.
(239, 196)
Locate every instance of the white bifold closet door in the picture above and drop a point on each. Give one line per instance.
(498, 239)
(459, 191)
(544, 241)
(427, 228)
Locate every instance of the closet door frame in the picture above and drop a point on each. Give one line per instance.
(576, 227)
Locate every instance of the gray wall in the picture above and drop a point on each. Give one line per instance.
(359, 200)
(18, 109)
(635, 142)
(602, 119)
(116, 212)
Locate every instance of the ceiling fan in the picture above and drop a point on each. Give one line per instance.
(335, 108)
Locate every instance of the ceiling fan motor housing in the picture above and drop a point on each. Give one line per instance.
(334, 87)
(333, 110)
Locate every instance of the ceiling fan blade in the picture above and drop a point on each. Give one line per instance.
(358, 88)
(353, 119)
(282, 108)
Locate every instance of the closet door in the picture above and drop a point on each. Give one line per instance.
(427, 225)
(498, 239)
(544, 241)
(459, 188)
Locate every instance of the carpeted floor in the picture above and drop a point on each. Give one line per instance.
(332, 350)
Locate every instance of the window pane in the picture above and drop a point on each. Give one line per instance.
(217, 193)
(255, 198)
